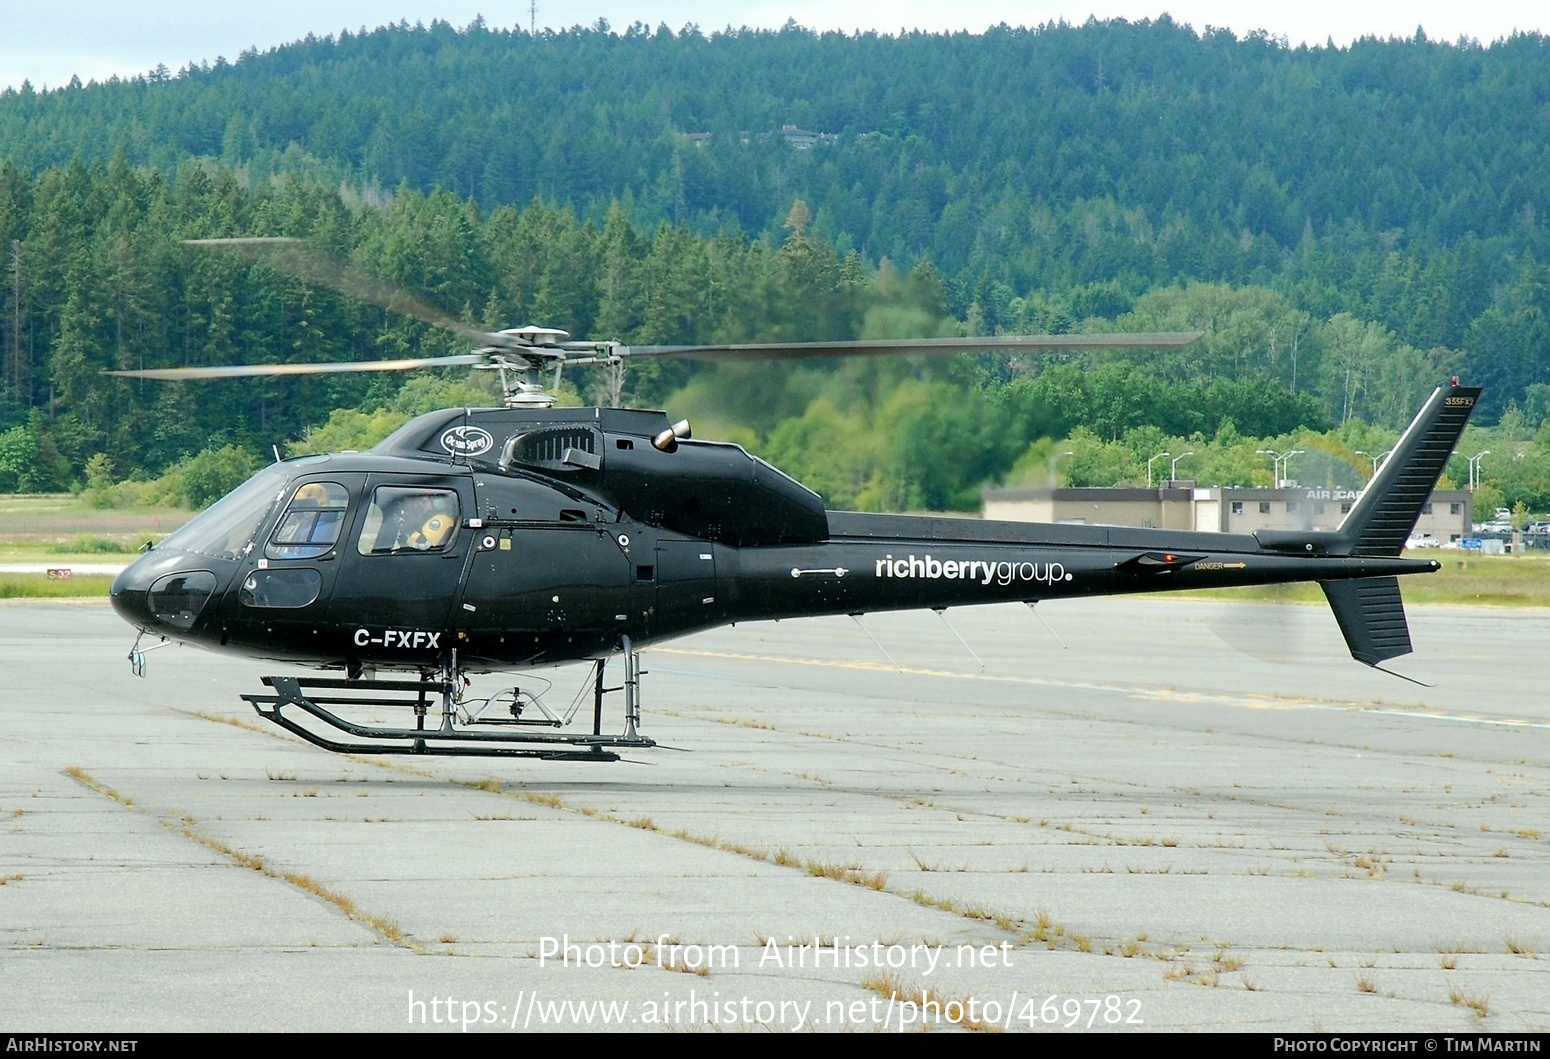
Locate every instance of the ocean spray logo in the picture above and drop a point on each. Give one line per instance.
(1000, 573)
(467, 441)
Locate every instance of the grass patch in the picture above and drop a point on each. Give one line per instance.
(744, 722)
(1209, 978)
(855, 874)
(1225, 961)
(674, 964)
(932, 1008)
(41, 586)
(967, 910)
(262, 728)
(39, 521)
(95, 544)
(81, 776)
(1479, 1003)
(252, 861)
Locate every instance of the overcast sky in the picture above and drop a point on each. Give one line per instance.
(48, 43)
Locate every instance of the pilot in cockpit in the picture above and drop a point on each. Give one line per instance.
(419, 522)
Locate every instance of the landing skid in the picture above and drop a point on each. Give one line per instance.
(328, 700)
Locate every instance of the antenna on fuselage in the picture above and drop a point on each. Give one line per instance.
(941, 612)
(1034, 606)
(857, 619)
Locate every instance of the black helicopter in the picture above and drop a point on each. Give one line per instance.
(477, 540)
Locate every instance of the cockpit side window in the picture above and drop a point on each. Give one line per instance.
(409, 519)
(312, 523)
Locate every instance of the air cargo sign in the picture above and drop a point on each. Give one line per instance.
(985, 572)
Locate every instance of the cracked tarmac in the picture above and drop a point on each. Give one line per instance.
(1213, 839)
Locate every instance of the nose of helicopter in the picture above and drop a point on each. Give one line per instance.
(158, 592)
(130, 593)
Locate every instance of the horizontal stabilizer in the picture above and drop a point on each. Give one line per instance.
(1372, 617)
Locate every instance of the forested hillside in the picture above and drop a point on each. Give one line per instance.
(1348, 225)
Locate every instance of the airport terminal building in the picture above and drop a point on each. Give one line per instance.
(1447, 516)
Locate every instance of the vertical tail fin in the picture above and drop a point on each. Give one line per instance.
(1369, 610)
(1382, 519)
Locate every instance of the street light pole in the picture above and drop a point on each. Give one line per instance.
(1280, 464)
(1286, 466)
(1173, 468)
(1377, 461)
(1275, 464)
(1474, 468)
(1053, 481)
(1149, 463)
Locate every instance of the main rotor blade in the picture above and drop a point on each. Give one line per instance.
(886, 346)
(234, 371)
(308, 263)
